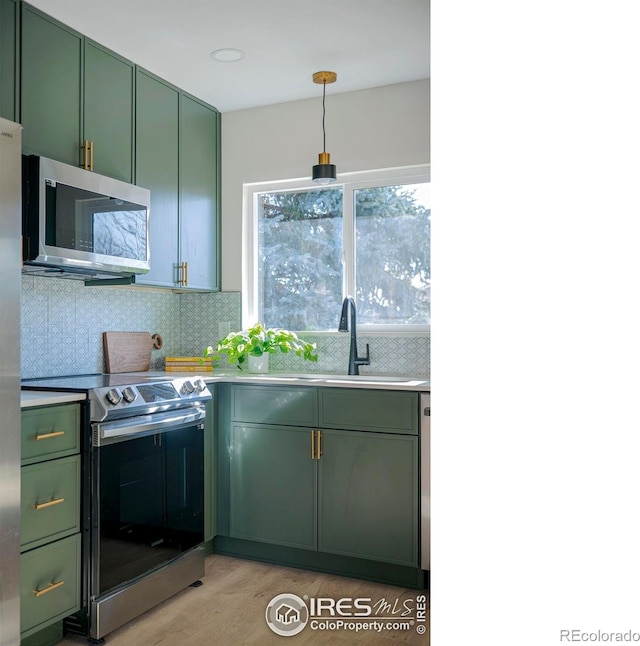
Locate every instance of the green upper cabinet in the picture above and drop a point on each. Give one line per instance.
(84, 105)
(199, 195)
(177, 158)
(51, 85)
(108, 111)
(8, 58)
(157, 132)
(74, 91)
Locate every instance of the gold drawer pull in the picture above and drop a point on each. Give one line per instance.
(319, 451)
(49, 588)
(46, 436)
(50, 503)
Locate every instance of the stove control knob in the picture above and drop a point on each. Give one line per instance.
(129, 394)
(187, 387)
(200, 385)
(114, 396)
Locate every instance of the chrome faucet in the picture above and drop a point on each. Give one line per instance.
(348, 322)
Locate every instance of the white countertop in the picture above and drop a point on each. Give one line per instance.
(30, 398)
(420, 384)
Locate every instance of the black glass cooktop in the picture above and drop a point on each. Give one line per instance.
(84, 383)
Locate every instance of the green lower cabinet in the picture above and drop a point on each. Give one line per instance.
(272, 485)
(50, 495)
(210, 460)
(368, 496)
(360, 498)
(342, 499)
(49, 584)
(50, 543)
(50, 432)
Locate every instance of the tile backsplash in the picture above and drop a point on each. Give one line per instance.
(62, 323)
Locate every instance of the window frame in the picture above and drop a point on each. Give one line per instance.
(349, 182)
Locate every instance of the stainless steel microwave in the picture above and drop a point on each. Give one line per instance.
(78, 224)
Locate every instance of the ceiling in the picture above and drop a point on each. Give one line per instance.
(369, 43)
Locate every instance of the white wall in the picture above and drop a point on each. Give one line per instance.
(378, 128)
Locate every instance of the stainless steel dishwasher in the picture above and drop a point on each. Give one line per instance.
(425, 480)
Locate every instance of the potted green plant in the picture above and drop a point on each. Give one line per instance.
(247, 347)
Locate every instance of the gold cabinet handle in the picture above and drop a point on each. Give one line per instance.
(180, 280)
(319, 451)
(47, 436)
(49, 588)
(49, 503)
(183, 278)
(85, 157)
(91, 156)
(313, 445)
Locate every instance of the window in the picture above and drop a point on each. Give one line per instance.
(309, 247)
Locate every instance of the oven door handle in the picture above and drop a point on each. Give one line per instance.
(126, 429)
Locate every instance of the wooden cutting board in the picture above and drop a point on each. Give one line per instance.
(127, 351)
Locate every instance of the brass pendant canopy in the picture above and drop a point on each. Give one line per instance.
(325, 77)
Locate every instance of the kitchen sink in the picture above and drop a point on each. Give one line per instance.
(366, 379)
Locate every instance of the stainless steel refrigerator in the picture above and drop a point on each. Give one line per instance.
(10, 260)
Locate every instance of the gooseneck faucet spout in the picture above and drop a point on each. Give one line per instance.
(348, 323)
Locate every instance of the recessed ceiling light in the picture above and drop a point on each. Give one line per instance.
(227, 55)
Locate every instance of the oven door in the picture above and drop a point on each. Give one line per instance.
(147, 494)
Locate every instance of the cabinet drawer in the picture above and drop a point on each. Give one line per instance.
(384, 411)
(50, 432)
(50, 501)
(292, 406)
(49, 584)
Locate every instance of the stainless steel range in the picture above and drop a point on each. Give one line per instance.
(143, 493)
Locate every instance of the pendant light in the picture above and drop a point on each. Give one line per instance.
(324, 172)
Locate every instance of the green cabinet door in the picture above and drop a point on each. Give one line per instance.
(157, 110)
(368, 496)
(272, 485)
(210, 479)
(8, 58)
(199, 178)
(49, 432)
(50, 88)
(50, 495)
(49, 584)
(108, 111)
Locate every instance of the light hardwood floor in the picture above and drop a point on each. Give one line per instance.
(229, 609)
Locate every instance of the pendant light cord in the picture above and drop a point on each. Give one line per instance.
(324, 135)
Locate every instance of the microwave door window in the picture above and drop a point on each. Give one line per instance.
(66, 225)
(120, 230)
